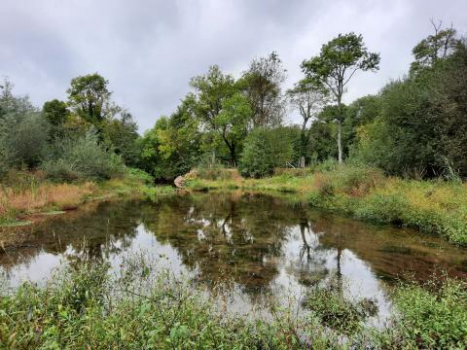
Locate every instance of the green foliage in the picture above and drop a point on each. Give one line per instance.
(215, 172)
(172, 147)
(221, 109)
(89, 97)
(310, 101)
(25, 139)
(122, 135)
(433, 316)
(333, 68)
(266, 149)
(338, 60)
(141, 174)
(358, 180)
(420, 130)
(56, 112)
(84, 158)
(434, 47)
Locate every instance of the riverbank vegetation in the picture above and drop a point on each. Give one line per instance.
(86, 307)
(434, 207)
(29, 196)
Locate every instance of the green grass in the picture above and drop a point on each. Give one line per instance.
(435, 207)
(14, 223)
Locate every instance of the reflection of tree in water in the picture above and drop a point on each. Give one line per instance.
(235, 239)
(94, 233)
(310, 268)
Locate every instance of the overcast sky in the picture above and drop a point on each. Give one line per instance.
(148, 50)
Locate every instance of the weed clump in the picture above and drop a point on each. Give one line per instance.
(338, 313)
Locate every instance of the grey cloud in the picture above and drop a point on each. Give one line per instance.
(149, 50)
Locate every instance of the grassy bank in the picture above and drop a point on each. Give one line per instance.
(28, 197)
(84, 307)
(434, 207)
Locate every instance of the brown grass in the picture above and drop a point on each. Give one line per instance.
(42, 197)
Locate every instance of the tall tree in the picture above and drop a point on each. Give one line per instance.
(309, 100)
(221, 108)
(89, 97)
(335, 66)
(434, 47)
(262, 85)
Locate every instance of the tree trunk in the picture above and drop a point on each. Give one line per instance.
(339, 142)
(302, 162)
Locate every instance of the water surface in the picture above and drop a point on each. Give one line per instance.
(256, 247)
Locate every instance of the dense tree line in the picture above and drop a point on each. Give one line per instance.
(86, 137)
(415, 126)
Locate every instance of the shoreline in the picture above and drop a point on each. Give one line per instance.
(432, 207)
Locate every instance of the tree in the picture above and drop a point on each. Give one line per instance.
(27, 140)
(221, 109)
(172, 147)
(421, 128)
(262, 85)
(436, 46)
(122, 135)
(56, 112)
(23, 130)
(309, 100)
(89, 97)
(12, 106)
(336, 64)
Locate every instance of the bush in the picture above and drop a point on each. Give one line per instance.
(264, 150)
(25, 140)
(323, 184)
(389, 208)
(359, 180)
(84, 158)
(142, 175)
(327, 166)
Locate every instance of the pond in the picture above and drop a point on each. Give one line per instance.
(257, 247)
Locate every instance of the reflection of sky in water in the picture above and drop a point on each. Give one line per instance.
(263, 251)
(286, 289)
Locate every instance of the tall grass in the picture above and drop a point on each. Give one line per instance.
(39, 196)
(31, 194)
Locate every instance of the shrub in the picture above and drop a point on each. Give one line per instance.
(323, 184)
(264, 150)
(389, 208)
(359, 180)
(142, 175)
(84, 158)
(26, 140)
(293, 172)
(327, 166)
